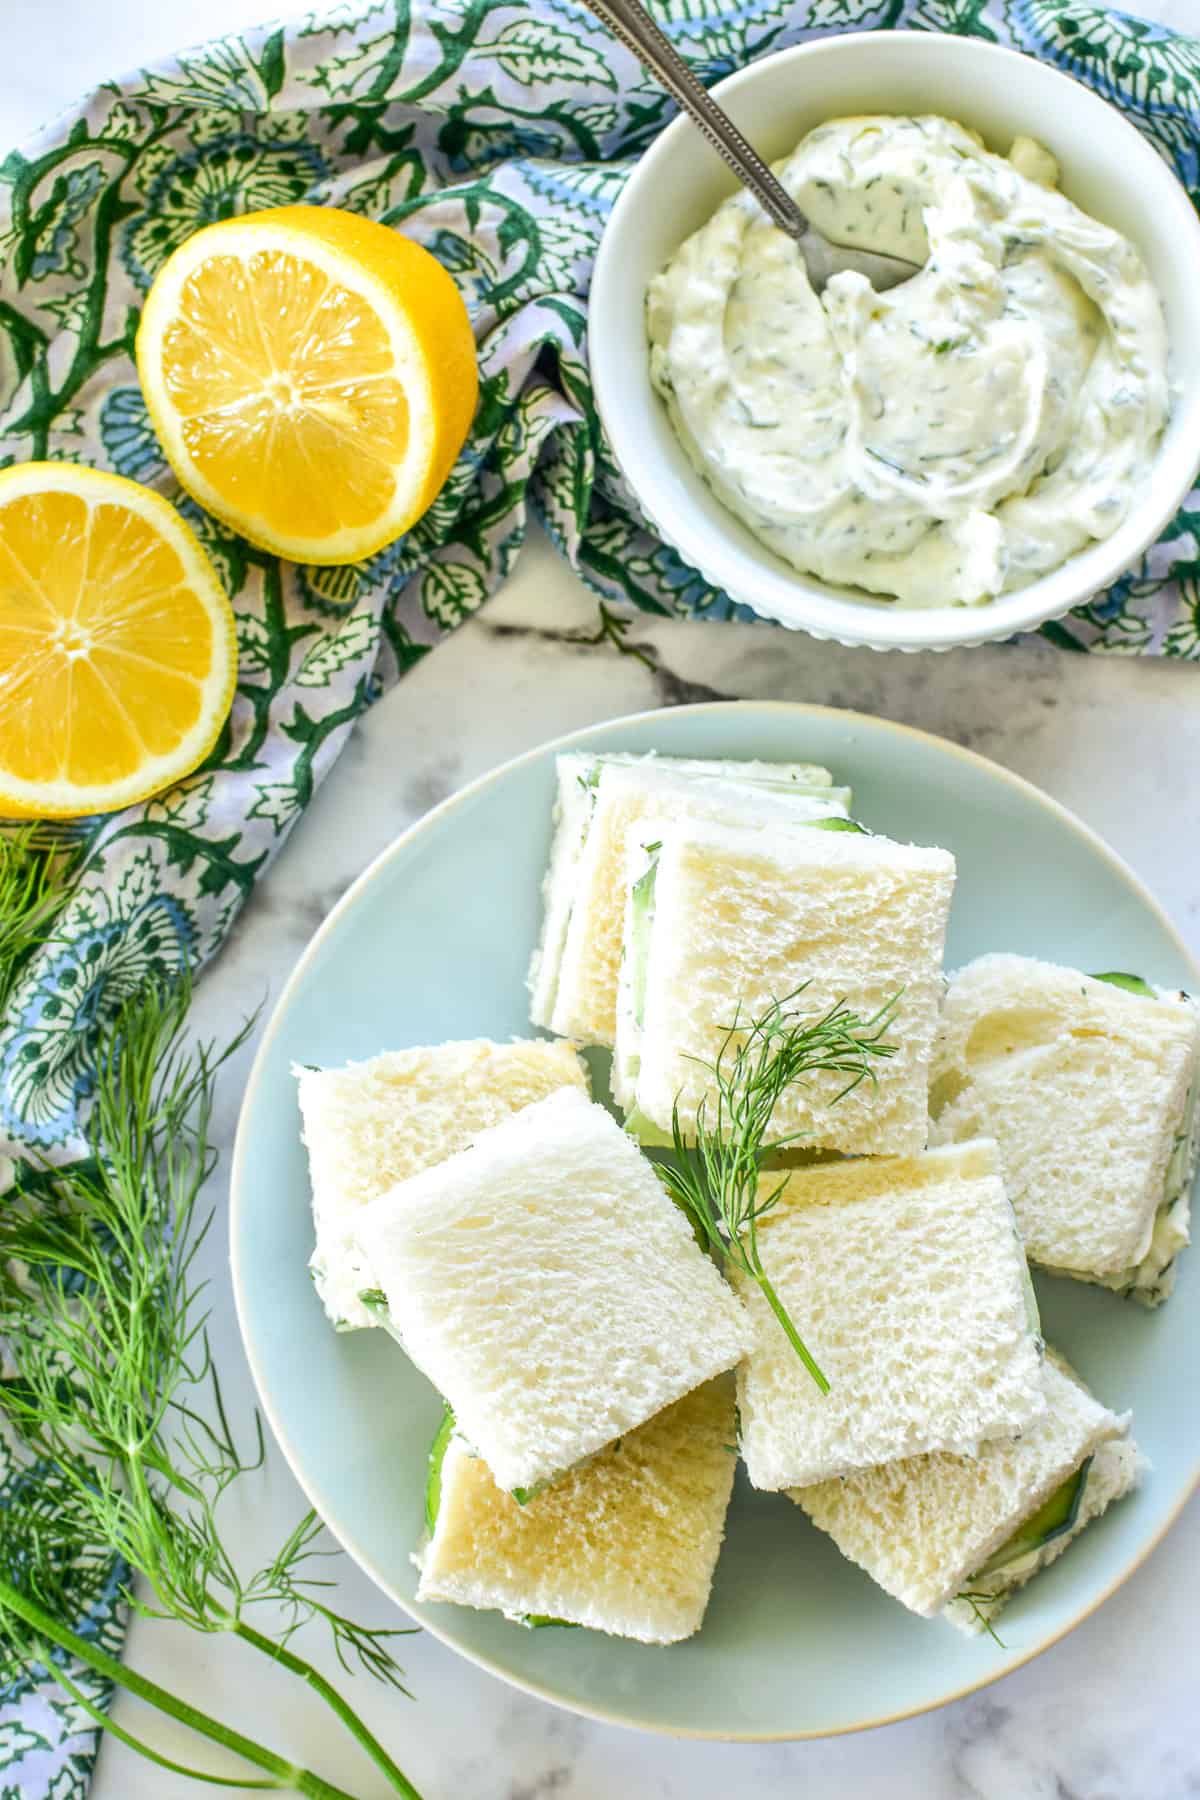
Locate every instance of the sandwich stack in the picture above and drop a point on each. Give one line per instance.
(861, 1162)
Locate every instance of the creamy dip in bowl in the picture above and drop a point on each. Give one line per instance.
(958, 436)
(963, 458)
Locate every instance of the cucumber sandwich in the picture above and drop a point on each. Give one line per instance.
(959, 1535)
(909, 1279)
(720, 922)
(769, 976)
(372, 1124)
(626, 1543)
(573, 976)
(1088, 1084)
(549, 1288)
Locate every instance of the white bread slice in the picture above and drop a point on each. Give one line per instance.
(1086, 1089)
(374, 1123)
(649, 795)
(742, 918)
(906, 1279)
(923, 1527)
(549, 1288)
(577, 775)
(626, 1543)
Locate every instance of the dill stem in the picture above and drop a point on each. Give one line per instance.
(793, 1336)
(143, 1749)
(296, 1665)
(287, 1775)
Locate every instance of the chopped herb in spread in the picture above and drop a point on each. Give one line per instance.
(944, 442)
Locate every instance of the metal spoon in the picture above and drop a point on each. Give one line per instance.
(629, 21)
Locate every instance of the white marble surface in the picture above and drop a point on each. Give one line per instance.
(1110, 1714)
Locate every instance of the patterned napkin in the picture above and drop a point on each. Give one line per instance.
(498, 133)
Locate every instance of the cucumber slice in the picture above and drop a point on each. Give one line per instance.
(1052, 1518)
(1133, 984)
(835, 824)
(649, 1135)
(535, 1622)
(641, 921)
(437, 1456)
(1033, 1317)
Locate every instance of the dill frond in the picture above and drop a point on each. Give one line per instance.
(973, 1601)
(715, 1178)
(114, 1394)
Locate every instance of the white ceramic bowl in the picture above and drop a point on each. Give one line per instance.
(1107, 168)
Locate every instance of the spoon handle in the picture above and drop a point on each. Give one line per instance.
(629, 21)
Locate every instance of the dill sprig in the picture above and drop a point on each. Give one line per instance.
(715, 1176)
(38, 865)
(974, 1601)
(111, 1389)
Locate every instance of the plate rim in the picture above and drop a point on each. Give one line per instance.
(603, 1715)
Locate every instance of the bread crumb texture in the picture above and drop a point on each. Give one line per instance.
(1083, 1086)
(923, 1526)
(550, 1289)
(643, 802)
(372, 1124)
(906, 1279)
(859, 919)
(627, 1543)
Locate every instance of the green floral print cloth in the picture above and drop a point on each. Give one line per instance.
(498, 133)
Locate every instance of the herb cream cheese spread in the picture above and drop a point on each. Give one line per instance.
(946, 441)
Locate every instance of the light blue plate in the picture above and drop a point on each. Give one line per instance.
(432, 943)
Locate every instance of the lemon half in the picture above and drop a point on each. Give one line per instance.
(118, 656)
(311, 376)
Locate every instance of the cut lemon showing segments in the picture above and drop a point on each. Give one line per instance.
(117, 648)
(311, 375)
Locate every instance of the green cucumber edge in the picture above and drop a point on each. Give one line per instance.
(1068, 1493)
(433, 1477)
(1132, 984)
